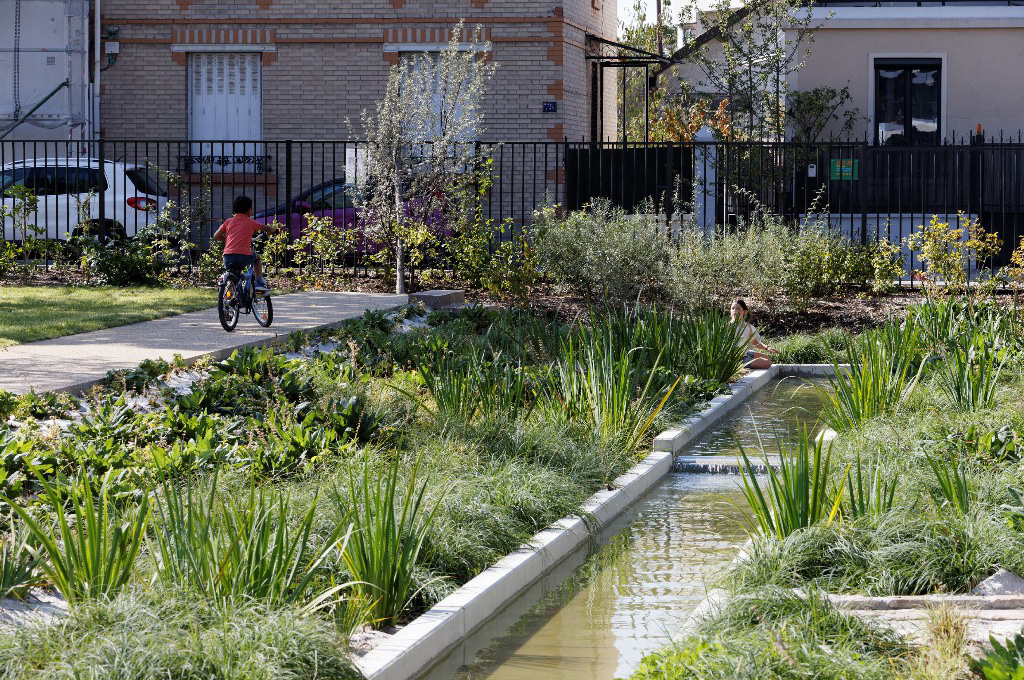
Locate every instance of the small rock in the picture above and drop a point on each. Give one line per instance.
(1002, 582)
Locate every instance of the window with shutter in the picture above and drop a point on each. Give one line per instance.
(226, 111)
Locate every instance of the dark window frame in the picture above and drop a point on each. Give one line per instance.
(907, 64)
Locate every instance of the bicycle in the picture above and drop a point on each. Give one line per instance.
(238, 295)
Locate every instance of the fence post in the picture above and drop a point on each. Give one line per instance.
(862, 192)
(288, 188)
(101, 157)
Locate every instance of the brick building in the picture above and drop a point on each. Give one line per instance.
(299, 69)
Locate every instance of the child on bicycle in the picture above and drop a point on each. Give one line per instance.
(236, 233)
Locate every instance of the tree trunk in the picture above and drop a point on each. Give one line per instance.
(399, 245)
(400, 267)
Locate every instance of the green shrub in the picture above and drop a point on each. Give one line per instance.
(124, 262)
(601, 253)
(800, 348)
(1001, 662)
(822, 263)
(711, 269)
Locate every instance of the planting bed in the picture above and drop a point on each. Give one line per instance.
(865, 552)
(351, 480)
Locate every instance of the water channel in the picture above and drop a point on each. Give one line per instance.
(597, 614)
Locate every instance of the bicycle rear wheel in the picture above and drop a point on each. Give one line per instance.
(227, 303)
(263, 310)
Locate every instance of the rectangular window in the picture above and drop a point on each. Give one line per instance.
(907, 101)
(226, 106)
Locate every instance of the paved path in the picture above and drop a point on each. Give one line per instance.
(76, 362)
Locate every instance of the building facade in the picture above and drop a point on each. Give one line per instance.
(921, 73)
(298, 69)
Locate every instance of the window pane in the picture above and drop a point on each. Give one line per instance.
(145, 182)
(924, 106)
(890, 106)
(77, 180)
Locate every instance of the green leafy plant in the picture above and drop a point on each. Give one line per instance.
(224, 548)
(871, 492)
(1001, 662)
(879, 379)
(319, 248)
(85, 553)
(389, 523)
(798, 494)
(968, 375)
(956, 488)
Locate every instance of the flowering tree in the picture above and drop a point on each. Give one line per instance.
(421, 162)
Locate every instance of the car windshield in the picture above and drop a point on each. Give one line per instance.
(11, 176)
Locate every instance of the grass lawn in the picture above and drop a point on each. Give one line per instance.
(30, 313)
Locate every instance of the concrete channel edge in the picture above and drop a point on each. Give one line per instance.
(418, 647)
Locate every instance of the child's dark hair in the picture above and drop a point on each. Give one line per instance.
(742, 303)
(241, 205)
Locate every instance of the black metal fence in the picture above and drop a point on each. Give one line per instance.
(865, 191)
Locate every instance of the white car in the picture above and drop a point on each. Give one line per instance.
(131, 196)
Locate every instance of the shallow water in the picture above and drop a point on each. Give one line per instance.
(779, 409)
(595, 617)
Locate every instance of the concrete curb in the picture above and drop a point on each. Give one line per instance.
(419, 646)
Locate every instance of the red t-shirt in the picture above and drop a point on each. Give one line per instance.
(238, 231)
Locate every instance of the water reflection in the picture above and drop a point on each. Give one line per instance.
(779, 409)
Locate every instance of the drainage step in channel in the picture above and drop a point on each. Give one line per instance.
(722, 465)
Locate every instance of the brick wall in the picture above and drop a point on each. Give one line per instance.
(325, 61)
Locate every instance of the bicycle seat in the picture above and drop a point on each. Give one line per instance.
(237, 268)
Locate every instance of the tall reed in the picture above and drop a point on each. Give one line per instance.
(389, 522)
(968, 375)
(955, 486)
(602, 387)
(223, 548)
(798, 494)
(18, 565)
(871, 492)
(884, 369)
(85, 553)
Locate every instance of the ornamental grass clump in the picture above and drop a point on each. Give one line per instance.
(389, 521)
(799, 495)
(85, 552)
(884, 369)
(968, 375)
(225, 549)
(599, 386)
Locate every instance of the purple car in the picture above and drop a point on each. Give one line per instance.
(334, 199)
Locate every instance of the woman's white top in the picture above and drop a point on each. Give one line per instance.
(748, 335)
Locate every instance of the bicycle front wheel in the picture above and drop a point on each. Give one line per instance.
(227, 303)
(263, 310)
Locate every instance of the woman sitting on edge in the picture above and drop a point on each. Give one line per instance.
(750, 338)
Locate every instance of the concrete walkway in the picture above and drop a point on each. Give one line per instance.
(76, 362)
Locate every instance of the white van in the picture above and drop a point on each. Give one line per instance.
(131, 195)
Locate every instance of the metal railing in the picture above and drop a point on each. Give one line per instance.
(866, 191)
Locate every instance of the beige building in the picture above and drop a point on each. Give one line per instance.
(921, 74)
(299, 69)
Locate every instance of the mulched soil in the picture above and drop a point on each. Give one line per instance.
(853, 313)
